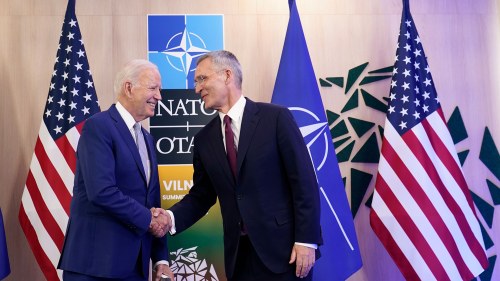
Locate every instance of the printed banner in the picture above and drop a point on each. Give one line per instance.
(175, 42)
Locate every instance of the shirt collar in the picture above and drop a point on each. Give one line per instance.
(126, 116)
(235, 112)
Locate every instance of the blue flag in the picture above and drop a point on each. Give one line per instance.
(4, 255)
(296, 88)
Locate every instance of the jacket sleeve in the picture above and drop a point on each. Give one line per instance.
(200, 198)
(302, 179)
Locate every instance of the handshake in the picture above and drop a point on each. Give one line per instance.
(161, 222)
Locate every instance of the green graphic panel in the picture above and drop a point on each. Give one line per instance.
(382, 70)
(484, 208)
(332, 117)
(371, 79)
(339, 81)
(345, 154)
(203, 241)
(494, 191)
(339, 130)
(368, 202)
(373, 102)
(486, 275)
(324, 83)
(352, 103)
(381, 131)
(457, 127)
(359, 185)
(489, 154)
(340, 142)
(353, 75)
(488, 243)
(369, 152)
(360, 126)
(463, 156)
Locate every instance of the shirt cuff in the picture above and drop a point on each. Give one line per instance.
(314, 246)
(172, 230)
(160, 262)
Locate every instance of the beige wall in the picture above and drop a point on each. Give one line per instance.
(460, 38)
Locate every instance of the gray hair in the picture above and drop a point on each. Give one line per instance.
(131, 72)
(223, 59)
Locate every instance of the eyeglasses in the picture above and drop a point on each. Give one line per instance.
(198, 81)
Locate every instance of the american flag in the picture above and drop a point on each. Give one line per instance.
(422, 210)
(49, 185)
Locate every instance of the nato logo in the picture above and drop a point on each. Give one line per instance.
(175, 42)
(315, 133)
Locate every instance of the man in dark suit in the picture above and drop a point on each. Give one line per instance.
(268, 192)
(111, 233)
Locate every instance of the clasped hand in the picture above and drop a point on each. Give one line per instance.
(160, 222)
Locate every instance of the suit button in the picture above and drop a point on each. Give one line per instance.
(239, 196)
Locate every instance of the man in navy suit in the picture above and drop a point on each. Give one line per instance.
(268, 191)
(111, 233)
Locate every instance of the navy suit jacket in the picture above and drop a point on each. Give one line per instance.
(108, 225)
(275, 195)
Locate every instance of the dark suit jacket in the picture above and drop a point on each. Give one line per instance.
(110, 216)
(276, 194)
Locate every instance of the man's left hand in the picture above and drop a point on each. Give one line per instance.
(304, 258)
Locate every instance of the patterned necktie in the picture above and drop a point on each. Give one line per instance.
(230, 147)
(141, 146)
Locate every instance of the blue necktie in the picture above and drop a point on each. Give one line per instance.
(141, 146)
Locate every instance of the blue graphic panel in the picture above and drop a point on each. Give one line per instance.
(176, 41)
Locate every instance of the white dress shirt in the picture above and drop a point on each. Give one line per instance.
(236, 115)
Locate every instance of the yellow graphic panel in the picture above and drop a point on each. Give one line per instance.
(175, 182)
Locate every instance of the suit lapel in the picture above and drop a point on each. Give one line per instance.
(215, 140)
(129, 140)
(248, 125)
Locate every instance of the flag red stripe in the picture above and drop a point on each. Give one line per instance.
(448, 161)
(422, 199)
(395, 252)
(79, 127)
(452, 204)
(43, 261)
(67, 151)
(410, 228)
(52, 176)
(452, 167)
(44, 213)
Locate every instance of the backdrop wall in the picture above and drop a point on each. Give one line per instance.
(460, 38)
